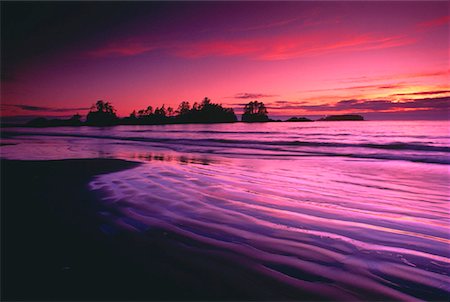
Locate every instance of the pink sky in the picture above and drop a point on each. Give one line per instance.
(299, 58)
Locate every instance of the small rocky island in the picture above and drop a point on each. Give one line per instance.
(299, 119)
(343, 117)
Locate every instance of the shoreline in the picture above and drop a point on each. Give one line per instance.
(165, 124)
(62, 242)
(53, 246)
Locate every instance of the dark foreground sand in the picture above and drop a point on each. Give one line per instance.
(53, 249)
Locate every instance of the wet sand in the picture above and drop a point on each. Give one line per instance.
(55, 248)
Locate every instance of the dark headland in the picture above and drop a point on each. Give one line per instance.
(53, 248)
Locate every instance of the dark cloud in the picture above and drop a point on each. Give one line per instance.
(390, 86)
(348, 102)
(38, 30)
(438, 103)
(46, 109)
(435, 103)
(287, 102)
(246, 95)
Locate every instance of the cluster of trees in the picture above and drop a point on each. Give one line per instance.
(255, 112)
(104, 114)
(204, 112)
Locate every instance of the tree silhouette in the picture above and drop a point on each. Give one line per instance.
(205, 112)
(145, 113)
(160, 112)
(170, 111)
(183, 108)
(255, 112)
(102, 106)
(205, 103)
(102, 114)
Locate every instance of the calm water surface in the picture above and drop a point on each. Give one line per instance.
(346, 209)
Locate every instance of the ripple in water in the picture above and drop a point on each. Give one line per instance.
(349, 228)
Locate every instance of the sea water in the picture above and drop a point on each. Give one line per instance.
(346, 209)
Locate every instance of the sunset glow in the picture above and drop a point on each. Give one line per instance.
(225, 150)
(386, 60)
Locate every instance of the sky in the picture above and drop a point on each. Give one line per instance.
(384, 60)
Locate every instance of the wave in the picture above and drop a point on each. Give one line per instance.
(248, 146)
(240, 132)
(392, 145)
(290, 228)
(201, 131)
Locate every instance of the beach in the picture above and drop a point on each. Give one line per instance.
(225, 212)
(53, 247)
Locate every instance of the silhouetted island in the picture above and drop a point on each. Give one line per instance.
(103, 113)
(43, 122)
(343, 117)
(299, 119)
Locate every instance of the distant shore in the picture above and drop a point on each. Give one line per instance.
(67, 123)
(53, 247)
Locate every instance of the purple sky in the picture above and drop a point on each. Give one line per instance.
(380, 59)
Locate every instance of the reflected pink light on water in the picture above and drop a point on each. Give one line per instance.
(343, 209)
(244, 217)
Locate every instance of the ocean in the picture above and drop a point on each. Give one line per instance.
(349, 210)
